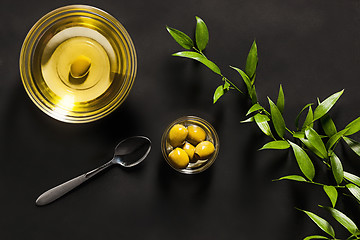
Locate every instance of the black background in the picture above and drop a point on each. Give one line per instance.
(311, 47)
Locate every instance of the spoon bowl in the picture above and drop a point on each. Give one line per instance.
(128, 153)
(131, 151)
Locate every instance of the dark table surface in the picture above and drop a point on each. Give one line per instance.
(312, 48)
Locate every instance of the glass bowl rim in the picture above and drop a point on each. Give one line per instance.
(29, 46)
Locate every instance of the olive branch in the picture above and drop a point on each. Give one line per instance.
(301, 140)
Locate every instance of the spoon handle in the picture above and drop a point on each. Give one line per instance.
(60, 190)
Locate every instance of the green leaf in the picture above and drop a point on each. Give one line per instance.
(343, 220)
(280, 103)
(300, 135)
(201, 34)
(253, 95)
(352, 178)
(245, 78)
(218, 93)
(335, 138)
(251, 61)
(276, 145)
(315, 237)
(293, 178)
(181, 38)
(318, 101)
(253, 79)
(249, 84)
(321, 223)
(250, 119)
(326, 105)
(355, 190)
(262, 117)
(304, 162)
(262, 122)
(328, 125)
(354, 145)
(277, 119)
(254, 108)
(198, 57)
(332, 193)
(315, 141)
(352, 238)
(353, 127)
(226, 86)
(337, 168)
(298, 116)
(307, 143)
(309, 119)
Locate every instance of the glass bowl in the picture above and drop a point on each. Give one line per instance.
(52, 47)
(211, 135)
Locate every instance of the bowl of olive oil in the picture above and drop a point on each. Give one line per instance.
(78, 63)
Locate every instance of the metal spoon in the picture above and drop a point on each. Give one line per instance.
(128, 153)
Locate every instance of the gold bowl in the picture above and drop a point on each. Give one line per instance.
(62, 37)
(211, 136)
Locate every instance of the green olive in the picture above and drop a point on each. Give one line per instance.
(204, 149)
(177, 135)
(80, 67)
(179, 158)
(190, 150)
(196, 134)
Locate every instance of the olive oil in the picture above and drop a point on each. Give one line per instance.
(61, 52)
(78, 63)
